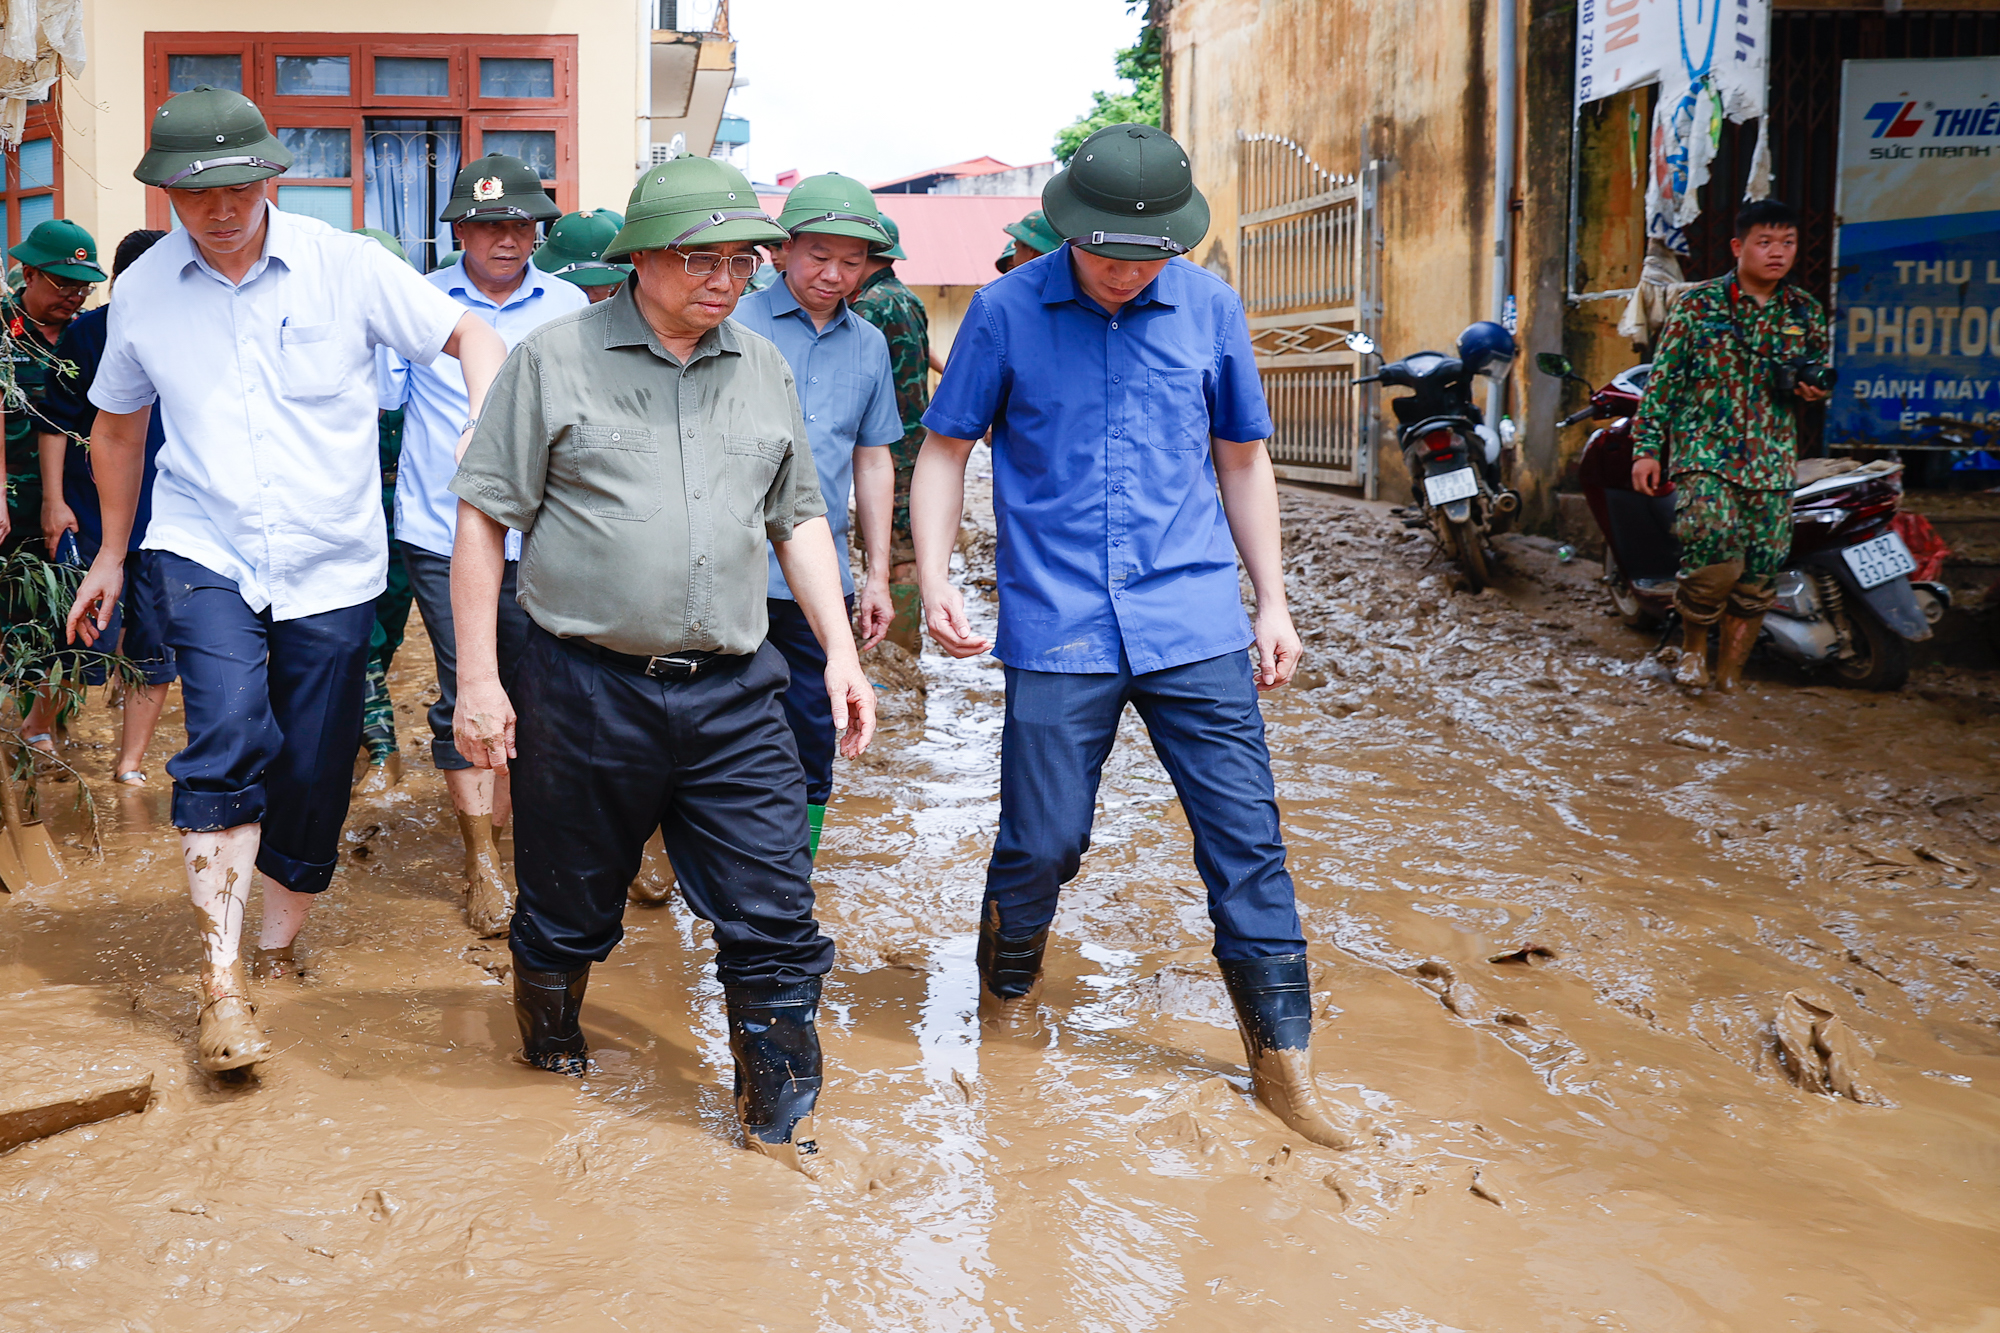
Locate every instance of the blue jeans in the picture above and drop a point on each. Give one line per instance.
(808, 710)
(1207, 731)
(273, 719)
(430, 583)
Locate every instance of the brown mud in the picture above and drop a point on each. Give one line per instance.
(1650, 1013)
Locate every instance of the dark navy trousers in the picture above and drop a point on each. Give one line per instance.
(273, 718)
(1208, 733)
(606, 755)
(807, 708)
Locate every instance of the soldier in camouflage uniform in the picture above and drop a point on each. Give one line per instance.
(1730, 437)
(59, 267)
(886, 303)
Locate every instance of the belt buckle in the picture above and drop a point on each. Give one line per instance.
(672, 668)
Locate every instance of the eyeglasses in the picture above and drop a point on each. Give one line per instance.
(703, 263)
(68, 288)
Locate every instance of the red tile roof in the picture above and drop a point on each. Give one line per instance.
(972, 166)
(951, 239)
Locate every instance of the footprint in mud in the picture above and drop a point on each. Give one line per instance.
(1821, 1052)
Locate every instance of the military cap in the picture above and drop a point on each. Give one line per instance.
(1127, 194)
(1035, 232)
(895, 250)
(575, 248)
(1006, 259)
(835, 205)
(208, 137)
(389, 243)
(60, 249)
(692, 201)
(498, 187)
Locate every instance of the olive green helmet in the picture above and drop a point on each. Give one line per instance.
(895, 250)
(692, 201)
(387, 242)
(835, 205)
(208, 137)
(575, 248)
(62, 248)
(1035, 232)
(1127, 194)
(498, 187)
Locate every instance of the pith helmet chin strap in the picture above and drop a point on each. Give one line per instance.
(582, 264)
(1166, 243)
(203, 164)
(835, 217)
(716, 220)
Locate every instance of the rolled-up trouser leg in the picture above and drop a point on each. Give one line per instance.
(1701, 593)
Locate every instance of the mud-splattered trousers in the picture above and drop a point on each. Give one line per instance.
(607, 755)
(1733, 542)
(273, 719)
(1208, 732)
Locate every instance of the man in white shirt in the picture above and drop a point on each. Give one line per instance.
(254, 333)
(495, 205)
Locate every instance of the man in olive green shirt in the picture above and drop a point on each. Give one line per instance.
(649, 447)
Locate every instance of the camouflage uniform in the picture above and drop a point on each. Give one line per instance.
(1729, 440)
(392, 608)
(893, 308)
(34, 359)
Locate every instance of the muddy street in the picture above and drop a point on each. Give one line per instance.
(1652, 1013)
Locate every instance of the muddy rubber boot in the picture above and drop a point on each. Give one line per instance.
(274, 964)
(776, 1045)
(228, 1036)
(1738, 637)
(649, 890)
(382, 773)
(1010, 978)
(1691, 672)
(1273, 999)
(815, 822)
(549, 1006)
(488, 904)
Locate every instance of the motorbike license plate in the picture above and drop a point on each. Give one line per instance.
(1879, 560)
(1462, 484)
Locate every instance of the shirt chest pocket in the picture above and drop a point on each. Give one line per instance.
(1176, 410)
(614, 470)
(751, 463)
(850, 397)
(309, 361)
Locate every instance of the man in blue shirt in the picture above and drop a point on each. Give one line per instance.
(1129, 473)
(494, 207)
(848, 390)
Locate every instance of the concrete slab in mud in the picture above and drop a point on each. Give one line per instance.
(67, 1056)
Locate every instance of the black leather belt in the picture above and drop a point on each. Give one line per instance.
(667, 666)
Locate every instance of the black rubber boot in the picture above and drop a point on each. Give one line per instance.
(548, 1005)
(776, 1046)
(1010, 975)
(1273, 999)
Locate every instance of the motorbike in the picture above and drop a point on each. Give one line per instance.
(1844, 597)
(1452, 455)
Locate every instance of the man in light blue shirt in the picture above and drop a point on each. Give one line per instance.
(848, 389)
(252, 332)
(495, 206)
(1129, 474)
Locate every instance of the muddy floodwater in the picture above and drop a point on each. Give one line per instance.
(1653, 1014)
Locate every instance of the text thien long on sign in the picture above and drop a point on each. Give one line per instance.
(1917, 256)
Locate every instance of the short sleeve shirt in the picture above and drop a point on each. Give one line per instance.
(847, 388)
(1113, 542)
(270, 474)
(647, 486)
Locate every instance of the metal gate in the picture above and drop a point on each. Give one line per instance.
(1306, 255)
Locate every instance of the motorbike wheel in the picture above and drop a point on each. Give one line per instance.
(1469, 545)
(1632, 612)
(1880, 660)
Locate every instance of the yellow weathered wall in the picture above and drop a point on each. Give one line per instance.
(104, 122)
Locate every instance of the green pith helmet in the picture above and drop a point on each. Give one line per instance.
(207, 137)
(895, 250)
(835, 205)
(389, 243)
(1127, 194)
(61, 249)
(448, 258)
(692, 201)
(575, 248)
(1035, 232)
(1006, 259)
(498, 187)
